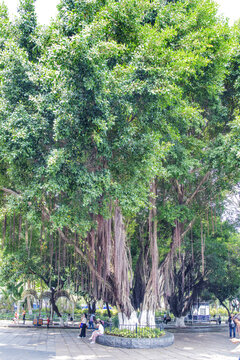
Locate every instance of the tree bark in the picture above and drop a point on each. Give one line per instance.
(222, 303)
(53, 303)
(127, 322)
(108, 310)
(180, 322)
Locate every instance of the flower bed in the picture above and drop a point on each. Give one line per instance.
(131, 341)
(145, 332)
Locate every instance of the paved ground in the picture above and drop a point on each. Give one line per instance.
(62, 344)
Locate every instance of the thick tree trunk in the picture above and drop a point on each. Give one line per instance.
(29, 306)
(181, 278)
(150, 295)
(108, 310)
(147, 318)
(40, 307)
(127, 323)
(54, 306)
(92, 307)
(122, 268)
(147, 315)
(180, 322)
(153, 241)
(28, 299)
(141, 271)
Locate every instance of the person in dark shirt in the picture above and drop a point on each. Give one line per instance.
(232, 326)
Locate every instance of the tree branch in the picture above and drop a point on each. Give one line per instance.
(222, 303)
(197, 189)
(39, 275)
(131, 118)
(10, 191)
(188, 228)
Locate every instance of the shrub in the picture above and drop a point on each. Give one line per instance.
(145, 332)
(222, 312)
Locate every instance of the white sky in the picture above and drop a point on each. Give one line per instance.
(47, 9)
(230, 9)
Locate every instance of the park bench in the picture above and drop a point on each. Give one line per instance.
(40, 322)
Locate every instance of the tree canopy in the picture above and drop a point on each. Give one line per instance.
(118, 141)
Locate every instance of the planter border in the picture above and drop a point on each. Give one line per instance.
(197, 328)
(136, 343)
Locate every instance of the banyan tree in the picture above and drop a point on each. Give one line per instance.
(107, 140)
(52, 298)
(98, 265)
(27, 295)
(80, 162)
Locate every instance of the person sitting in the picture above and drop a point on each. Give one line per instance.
(98, 332)
(164, 318)
(168, 318)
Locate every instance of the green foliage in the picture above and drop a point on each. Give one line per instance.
(223, 262)
(218, 311)
(112, 95)
(26, 25)
(145, 332)
(104, 313)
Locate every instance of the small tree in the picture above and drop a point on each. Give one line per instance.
(224, 267)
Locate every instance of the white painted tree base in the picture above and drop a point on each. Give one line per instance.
(127, 323)
(180, 322)
(61, 321)
(147, 318)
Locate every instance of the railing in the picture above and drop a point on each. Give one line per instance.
(199, 319)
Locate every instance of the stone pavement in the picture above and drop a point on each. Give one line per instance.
(18, 343)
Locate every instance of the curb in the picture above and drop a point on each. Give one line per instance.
(136, 343)
(191, 329)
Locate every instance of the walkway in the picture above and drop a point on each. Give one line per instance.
(62, 344)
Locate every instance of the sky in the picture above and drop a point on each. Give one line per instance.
(47, 9)
(230, 9)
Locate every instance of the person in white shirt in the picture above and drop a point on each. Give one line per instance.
(83, 326)
(98, 332)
